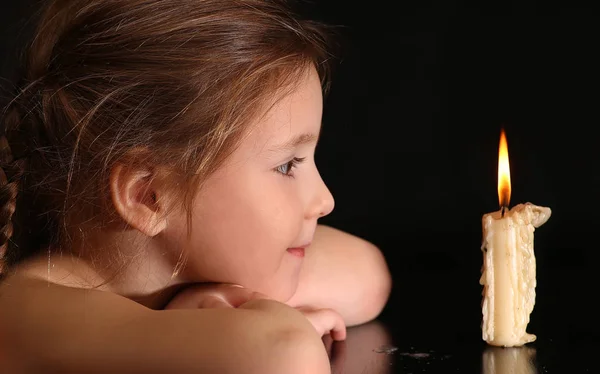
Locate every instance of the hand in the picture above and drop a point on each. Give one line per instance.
(222, 295)
(326, 321)
(213, 295)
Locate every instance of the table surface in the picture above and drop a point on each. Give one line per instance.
(431, 326)
(373, 348)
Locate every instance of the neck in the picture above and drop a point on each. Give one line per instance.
(136, 268)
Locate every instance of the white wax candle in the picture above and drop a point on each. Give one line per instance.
(508, 273)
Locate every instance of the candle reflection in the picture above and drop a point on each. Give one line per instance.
(517, 360)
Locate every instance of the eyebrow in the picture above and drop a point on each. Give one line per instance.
(296, 141)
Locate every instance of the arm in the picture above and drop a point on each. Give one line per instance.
(344, 273)
(55, 329)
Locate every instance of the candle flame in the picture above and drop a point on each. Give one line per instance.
(503, 172)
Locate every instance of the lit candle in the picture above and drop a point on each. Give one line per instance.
(508, 272)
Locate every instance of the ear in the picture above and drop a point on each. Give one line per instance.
(135, 195)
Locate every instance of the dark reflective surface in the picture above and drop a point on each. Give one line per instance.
(432, 325)
(367, 349)
(370, 349)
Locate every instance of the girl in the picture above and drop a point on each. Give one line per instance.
(159, 196)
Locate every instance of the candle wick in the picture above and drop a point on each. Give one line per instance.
(502, 211)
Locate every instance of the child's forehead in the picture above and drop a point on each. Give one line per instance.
(294, 118)
(284, 134)
(280, 138)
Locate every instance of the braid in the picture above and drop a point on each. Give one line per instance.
(10, 175)
(27, 221)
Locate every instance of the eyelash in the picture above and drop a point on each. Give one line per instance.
(290, 165)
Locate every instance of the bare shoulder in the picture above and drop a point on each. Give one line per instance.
(26, 302)
(36, 316)
(22, 294)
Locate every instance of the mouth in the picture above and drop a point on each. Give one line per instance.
(298, 251)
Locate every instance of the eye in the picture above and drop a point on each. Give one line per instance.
(288, 168)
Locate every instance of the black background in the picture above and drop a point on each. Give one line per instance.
(409, 149)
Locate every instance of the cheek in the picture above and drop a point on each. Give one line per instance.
(269, 212)
(241, 236)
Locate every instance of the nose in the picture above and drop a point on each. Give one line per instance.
(322, 202)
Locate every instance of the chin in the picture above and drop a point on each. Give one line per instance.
(281, 291)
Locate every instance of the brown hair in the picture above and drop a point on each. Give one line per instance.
(177, 79)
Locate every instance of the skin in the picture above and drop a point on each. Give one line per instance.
(345, 273)
(252, 189)
(266, 197)
(270, 203)
(261, 202)
(49, 328)
(270, 212)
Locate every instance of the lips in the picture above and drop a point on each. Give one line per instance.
(298, 252)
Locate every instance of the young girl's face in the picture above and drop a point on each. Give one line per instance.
(253, 214)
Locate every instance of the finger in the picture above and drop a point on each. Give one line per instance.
(236, 295)
(328, 321)
(234, 285)
(338, 332)
(209, 296)
(214, 302)
(334, 323)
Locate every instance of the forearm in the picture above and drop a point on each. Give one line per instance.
(207, 341)
(192, 341)
(344, 273)
(215, 341)
(99, 333)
